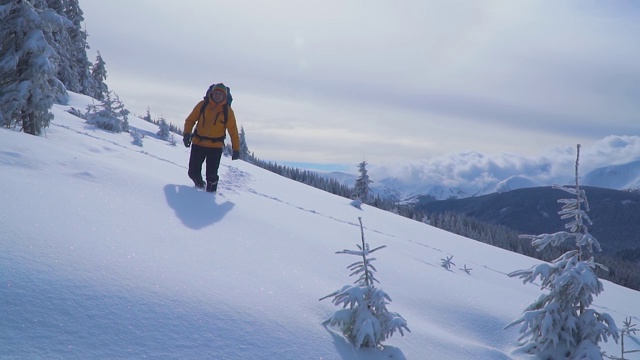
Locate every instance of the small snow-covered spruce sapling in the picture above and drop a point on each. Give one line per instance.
(362, 189)
(447, 263)
(466, 269)
(164, 131)
(356, 203)
(364, 319)
(137, 136)
(559, 324)
(627, 329)
(110, 114)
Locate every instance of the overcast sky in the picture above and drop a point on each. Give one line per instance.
(334, 82)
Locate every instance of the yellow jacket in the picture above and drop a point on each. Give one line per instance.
(211, 126)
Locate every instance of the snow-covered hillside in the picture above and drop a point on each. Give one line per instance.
(624, 176)
(515, 182)
(107, 251)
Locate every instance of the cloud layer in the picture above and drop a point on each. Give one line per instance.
(476, 171)
(333, 81)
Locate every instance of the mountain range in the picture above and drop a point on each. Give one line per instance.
(624, 176)
(614, 214)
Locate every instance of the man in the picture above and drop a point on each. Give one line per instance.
(212, 117)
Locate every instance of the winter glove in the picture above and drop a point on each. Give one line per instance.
(187, 140)
(235, 155)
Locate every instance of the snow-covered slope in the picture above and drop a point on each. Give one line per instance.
(623, 176)
(515, 182)
(107, 251)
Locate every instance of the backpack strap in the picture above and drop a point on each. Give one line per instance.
(225, 112)
(206, 102)
(204, 106)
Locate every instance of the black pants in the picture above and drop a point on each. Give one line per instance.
(198, 155)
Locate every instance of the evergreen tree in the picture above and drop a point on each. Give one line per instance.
(361, 189)
(244, 149)
(560, 325)
(38, 4)
(137, 136)
(163, 132)
(58, 38)
(28, 86)
(99, 75)
(78, 49)
(54, 29)
(364, 318)
(110, 114)
(56, 5)
(227, 150)
(447, 263)
(627, 330)
(147, 117)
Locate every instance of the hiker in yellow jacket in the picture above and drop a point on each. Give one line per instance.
(212, 118)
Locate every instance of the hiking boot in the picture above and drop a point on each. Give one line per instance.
(212, 186)
(199, 183)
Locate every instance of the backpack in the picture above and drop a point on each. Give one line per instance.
(225, 112)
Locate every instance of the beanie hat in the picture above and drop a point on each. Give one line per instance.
(221, 87)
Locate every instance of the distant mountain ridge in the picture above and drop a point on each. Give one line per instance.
(515, 182)
(617, 177)
(624, 176)
(615, 214)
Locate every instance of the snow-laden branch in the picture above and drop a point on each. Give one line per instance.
(559, 324)
(364, 318)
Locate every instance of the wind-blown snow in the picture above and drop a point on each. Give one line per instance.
(107, 251)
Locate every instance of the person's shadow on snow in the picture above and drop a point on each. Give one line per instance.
(195, 208)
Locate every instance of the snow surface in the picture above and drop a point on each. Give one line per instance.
(515, 182)
(623, 176)
(108, 251)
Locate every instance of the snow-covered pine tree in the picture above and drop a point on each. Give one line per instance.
(99, 74)
(466, 269)
(163, 131)
(362, 190)
(137, 136)
(560, 325)
(147, 117)
(28, 86)
(227, 150)
(78, 49)
(54, 27)
(38, 4)
(627, 330)
(59, 39)
(56, 5)
(364, 319)
(356, 203)
(110, 114)
(447, 263)
(244, 149)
